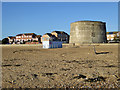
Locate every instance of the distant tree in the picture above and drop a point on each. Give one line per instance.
(28, 41)
(116, 38)
(35, 41)
(0, 41)
(5, 41)
(23, 42)
(39, 40)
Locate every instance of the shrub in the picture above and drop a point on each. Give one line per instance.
(5, 41)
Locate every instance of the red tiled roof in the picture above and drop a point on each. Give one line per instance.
(39, 36)
(25, 34)
(11, 37)
(29, 33)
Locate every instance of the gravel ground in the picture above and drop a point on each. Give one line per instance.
(75, 67)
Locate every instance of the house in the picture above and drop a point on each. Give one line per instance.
(62, 36)
(37, 38)
(48, 37)
(11, 39)
(26, 37)
(113, 36)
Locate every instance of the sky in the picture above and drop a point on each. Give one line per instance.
(45, 17)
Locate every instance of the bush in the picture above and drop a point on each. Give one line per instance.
(5, 41)
(35, 41)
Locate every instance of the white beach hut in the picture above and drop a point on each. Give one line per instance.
(52, 44)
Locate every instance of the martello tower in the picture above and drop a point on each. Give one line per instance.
(88, 32)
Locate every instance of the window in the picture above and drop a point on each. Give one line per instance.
(47, 38)
(112, 38)
(93, 34)
(112, 35)
(117, 34)
(66, 36)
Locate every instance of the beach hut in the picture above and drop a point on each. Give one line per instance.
(52, 44)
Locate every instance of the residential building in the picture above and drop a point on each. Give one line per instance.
(11, 39)
(48, 37)
(62, 36)
(25, 37)
(37, 38)
(28, 37)
(113, 36)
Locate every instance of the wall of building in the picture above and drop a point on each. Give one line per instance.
(113, 36)
(24, 37)
(45, 37)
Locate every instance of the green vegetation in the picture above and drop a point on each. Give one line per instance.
(35, 41)
(5, 41)
(0, 41)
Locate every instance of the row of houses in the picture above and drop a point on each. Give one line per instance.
(24, 38)
(32, 38)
